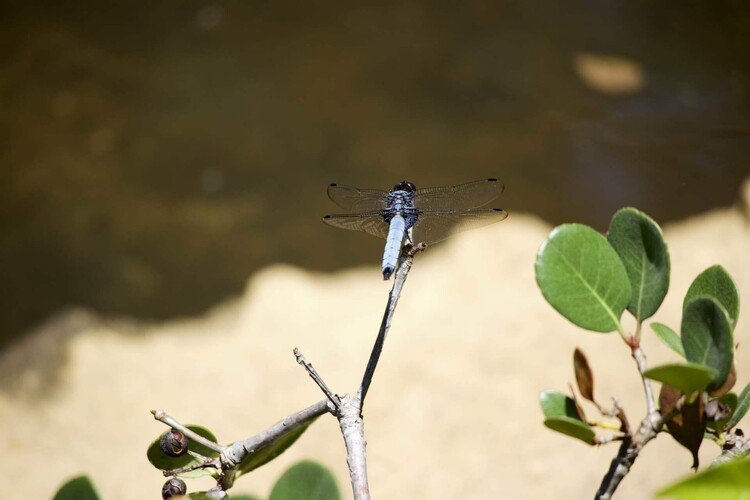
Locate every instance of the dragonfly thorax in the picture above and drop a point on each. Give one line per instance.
(401, 202)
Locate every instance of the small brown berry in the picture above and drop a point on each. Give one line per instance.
(173, 443)
(173, 488)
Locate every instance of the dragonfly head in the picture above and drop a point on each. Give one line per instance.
(405, 186)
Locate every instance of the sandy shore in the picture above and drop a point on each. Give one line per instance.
(453, 409)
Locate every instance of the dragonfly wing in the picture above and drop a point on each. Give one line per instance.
(435, 225)
(369, 222)
(461, 197)
(358, 200)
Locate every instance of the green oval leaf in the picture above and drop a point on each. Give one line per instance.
(162, 461)
(562, 415)
(668, 337)
(687, 377)
(583, 278)
(265, 454)
(308, 480)
(728, 481)
(707, 337)
(716, 282)
(78, 488)
(572, 427)
(639, 242)
(743, 403)
(556, 404)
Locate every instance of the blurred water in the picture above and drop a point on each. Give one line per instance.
(154, 154)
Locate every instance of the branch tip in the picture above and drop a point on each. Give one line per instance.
(302, 360)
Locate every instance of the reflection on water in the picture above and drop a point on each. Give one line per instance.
(155, 155)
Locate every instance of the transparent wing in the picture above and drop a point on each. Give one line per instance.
(434, 226)
(461, 197)
(369, 222)
(358, 200)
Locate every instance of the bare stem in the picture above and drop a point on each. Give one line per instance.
(619, 412)
(640, 360)
(350, 415)
(632, 444)
(213, 463)
(353, 430)
(398, 283)
(628, 452)
(609, 439)
(302, 360)
(348, 410)
(236, 452)
(162, 416)
(637, 334)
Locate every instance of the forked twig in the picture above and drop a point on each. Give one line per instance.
(347, 410)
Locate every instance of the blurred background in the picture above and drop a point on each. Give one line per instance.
(164, 165)
(154, 155)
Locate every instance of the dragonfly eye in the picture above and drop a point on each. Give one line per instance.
(405, 186)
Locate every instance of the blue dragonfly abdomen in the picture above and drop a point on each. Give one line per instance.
(393, 244)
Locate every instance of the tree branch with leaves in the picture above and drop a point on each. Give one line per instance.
(189, 451)
(592, 280)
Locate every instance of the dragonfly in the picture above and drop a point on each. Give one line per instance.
(406, 214)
